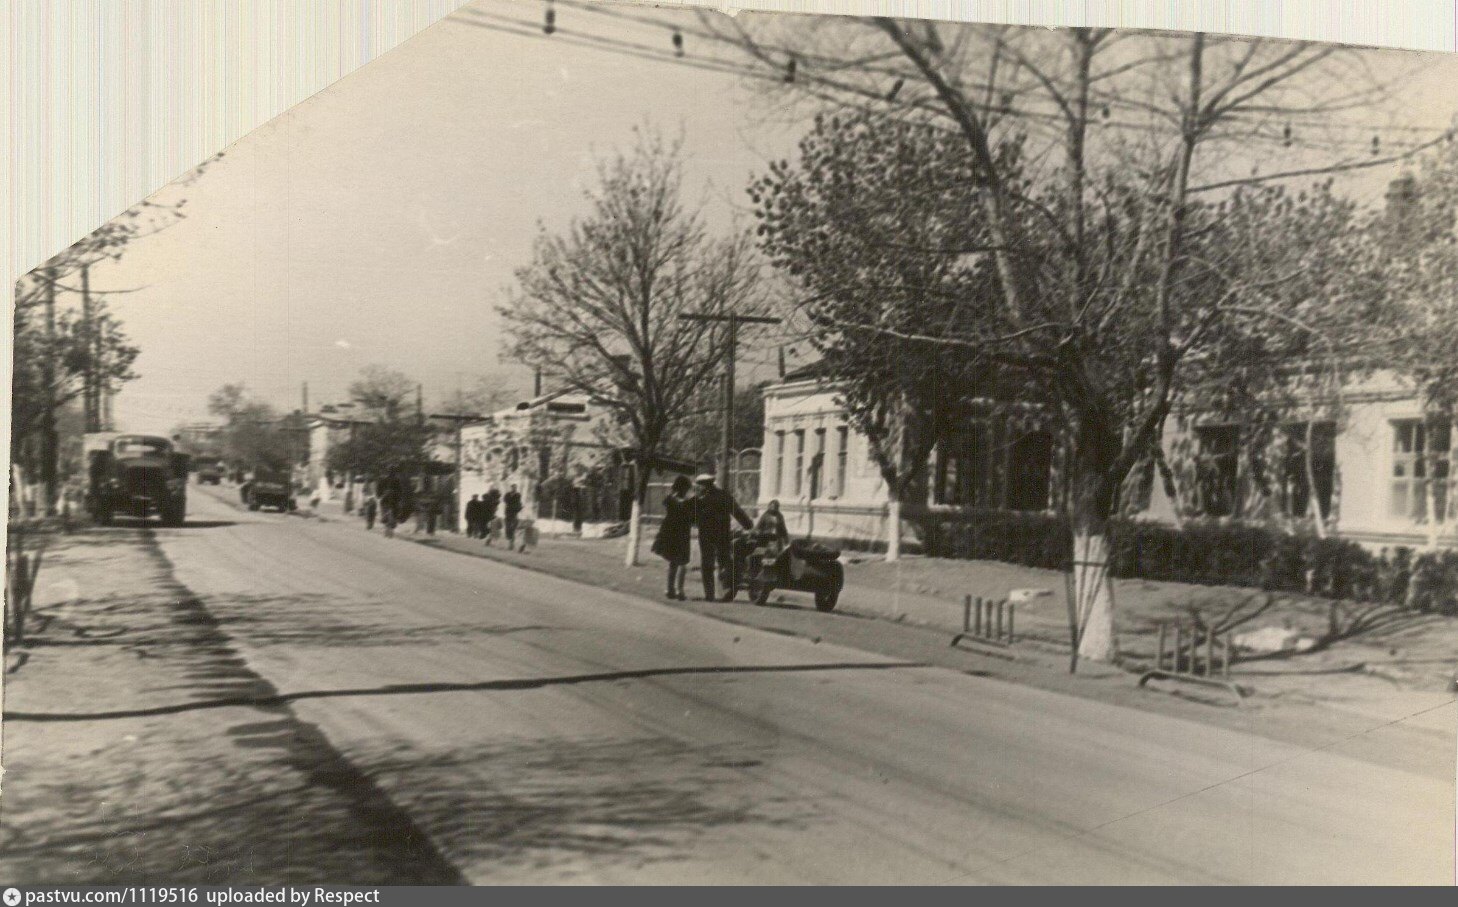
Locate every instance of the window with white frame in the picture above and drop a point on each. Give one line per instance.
(818, 487)
(1310, 465)
(842, 448)
(799, 473)
(1422, 470)
(1217, 469)
(779, 475)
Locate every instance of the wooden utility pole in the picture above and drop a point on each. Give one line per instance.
(726, 431)
(50, 440)
(88, 381)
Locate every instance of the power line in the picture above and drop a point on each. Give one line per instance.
(794, 68)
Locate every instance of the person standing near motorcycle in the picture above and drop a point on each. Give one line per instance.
(674, 541)
(713, 509)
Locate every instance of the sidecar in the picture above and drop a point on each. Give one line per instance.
(762, 566)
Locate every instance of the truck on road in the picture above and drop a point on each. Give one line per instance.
(135, 475)
(209, 470)
(269, 488)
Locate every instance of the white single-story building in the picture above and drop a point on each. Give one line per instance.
(556, 444)
(1380, 475)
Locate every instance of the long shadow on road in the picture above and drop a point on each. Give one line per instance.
(399, 689)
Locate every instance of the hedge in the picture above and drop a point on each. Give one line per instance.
(1212, 555)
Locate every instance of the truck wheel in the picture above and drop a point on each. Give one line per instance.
(253, 505)
(103, 516)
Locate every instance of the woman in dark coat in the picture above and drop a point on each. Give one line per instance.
(673, 541)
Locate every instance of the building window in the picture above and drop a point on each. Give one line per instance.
(817, 466)
(1030, 463)
(990, 464)
(1217, 469)
(1296, 483)
(842, 448)
(1422, 470)
(779, 476)
(799, 462)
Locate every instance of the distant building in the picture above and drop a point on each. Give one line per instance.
(328, 427)
(553, 448)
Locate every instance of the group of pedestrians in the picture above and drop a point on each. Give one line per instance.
(481, 515)
(709, 509)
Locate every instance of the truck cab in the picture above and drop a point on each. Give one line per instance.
(135, 475)
(269, 488)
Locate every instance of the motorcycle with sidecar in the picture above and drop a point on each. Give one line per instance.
(762, 565)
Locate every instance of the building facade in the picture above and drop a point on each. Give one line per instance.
(556, 449)
(1373, 470)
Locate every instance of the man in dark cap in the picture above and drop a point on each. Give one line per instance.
(713, 509)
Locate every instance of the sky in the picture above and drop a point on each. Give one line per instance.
(380, 222)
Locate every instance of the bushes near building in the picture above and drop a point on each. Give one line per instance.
(1212, 554)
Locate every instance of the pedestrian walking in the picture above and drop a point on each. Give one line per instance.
(511, 510)
(489, 504)
(713, 509)
(389, 512)
(432, 506)
(674, 541)
(371, 506)
(473, 517)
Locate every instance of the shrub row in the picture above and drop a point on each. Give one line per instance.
(1212, 554)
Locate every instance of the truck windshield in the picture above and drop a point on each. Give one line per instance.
(140, 447)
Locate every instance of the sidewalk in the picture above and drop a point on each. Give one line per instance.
(928, 592)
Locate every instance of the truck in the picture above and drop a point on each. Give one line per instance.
(135, 475)
(209, 470)
(269, 488)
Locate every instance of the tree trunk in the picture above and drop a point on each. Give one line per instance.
(635, 533)
(635, 516)
(1092, 606)
(1093, 596)
(893, 529)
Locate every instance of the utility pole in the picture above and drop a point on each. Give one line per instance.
(88, 381)
(726, 435)
(50, 440)
(306, 398)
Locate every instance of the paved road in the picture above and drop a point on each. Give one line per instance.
(541, 731)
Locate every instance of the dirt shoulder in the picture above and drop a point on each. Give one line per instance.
(139, 747)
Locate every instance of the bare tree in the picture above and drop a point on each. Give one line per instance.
(1108, 296)
(484, 395)
(598, 307)
(382, 393)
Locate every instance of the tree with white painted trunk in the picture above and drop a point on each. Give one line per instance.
(1132, 240)
(598, 306)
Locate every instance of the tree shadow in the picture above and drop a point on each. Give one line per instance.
(590, 804)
